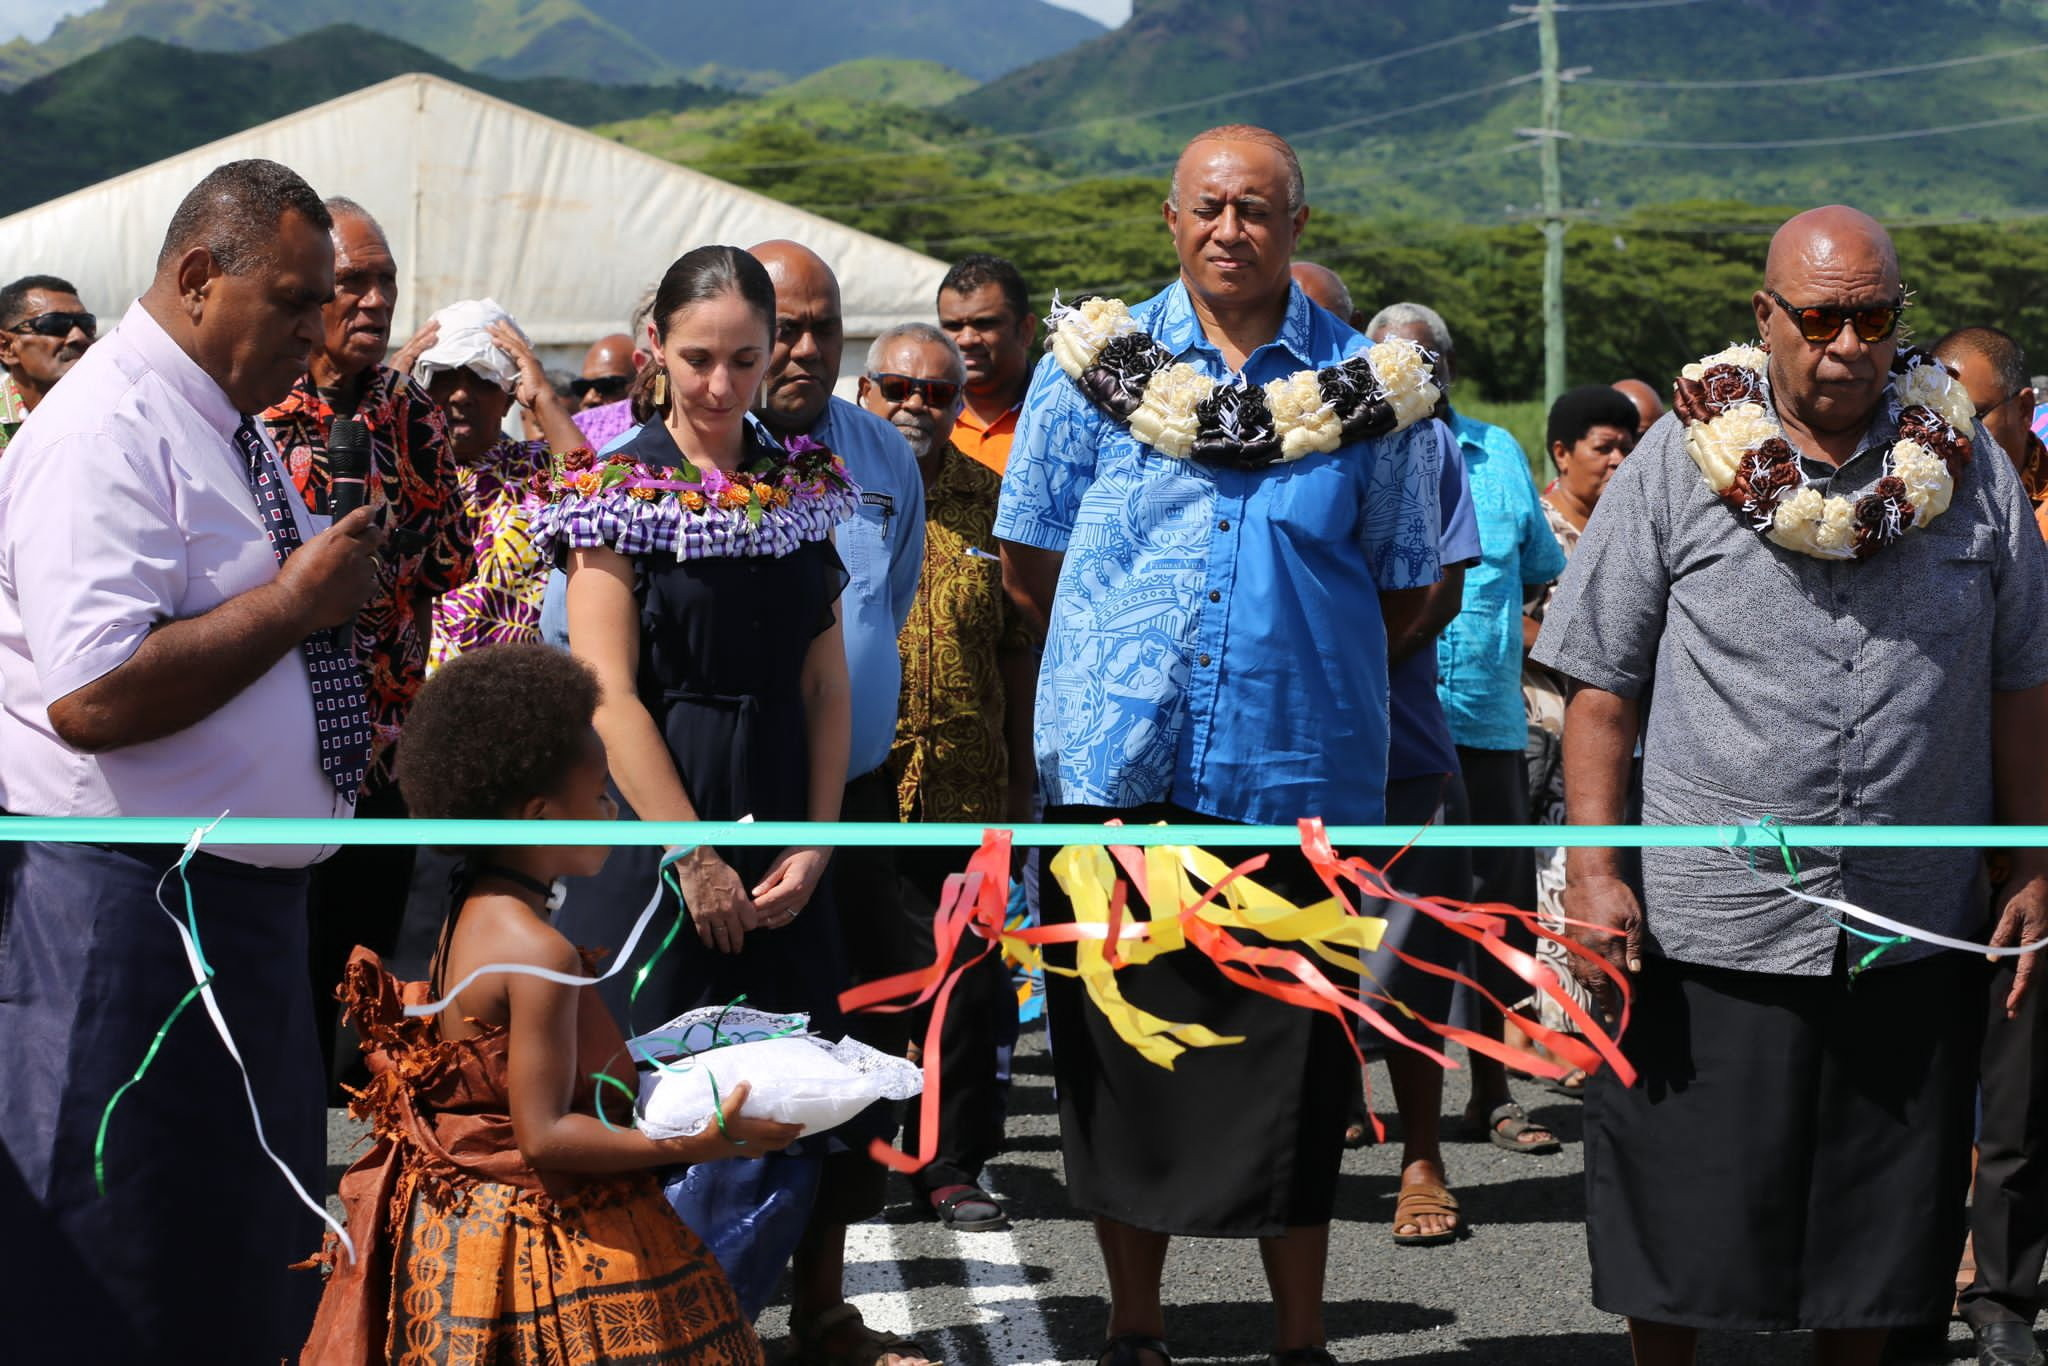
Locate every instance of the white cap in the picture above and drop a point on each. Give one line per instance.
(464, 344)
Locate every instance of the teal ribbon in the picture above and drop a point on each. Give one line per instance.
(327, 831)
(604, 1079)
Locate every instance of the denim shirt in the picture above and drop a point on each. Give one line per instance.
(1421, 744)
(1216, 640)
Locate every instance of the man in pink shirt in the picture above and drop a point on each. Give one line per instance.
(166, 605)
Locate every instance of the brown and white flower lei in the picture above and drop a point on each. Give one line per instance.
(1742, 451)
(1180, 412)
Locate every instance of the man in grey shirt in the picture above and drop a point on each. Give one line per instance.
(1795, 1153)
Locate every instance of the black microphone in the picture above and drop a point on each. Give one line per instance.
(348, 474)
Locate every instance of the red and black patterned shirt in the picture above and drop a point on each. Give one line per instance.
(428, 551)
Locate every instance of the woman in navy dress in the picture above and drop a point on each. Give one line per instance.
(703, 591)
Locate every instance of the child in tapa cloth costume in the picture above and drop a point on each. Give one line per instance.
(499, 1217)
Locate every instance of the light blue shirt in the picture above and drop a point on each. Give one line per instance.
(1216, 638)
(883, 550)
(1479, 655)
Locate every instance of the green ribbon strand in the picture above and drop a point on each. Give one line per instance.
(99, 1144)
(1883, 942)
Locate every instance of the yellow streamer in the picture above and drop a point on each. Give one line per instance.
(1089, 876)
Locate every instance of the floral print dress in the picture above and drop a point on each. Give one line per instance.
(1543, 696)
(500, 601)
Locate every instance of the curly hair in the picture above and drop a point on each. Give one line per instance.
(493, 729)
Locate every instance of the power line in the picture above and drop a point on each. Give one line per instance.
(1320, 188)
(1267, 87)
(1638, 228)
(1780, 144)
(1362, 121)
(1761, 82)
(1623, 4)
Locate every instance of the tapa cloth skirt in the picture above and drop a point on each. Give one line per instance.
(1796, 1151)
(1236, 1141)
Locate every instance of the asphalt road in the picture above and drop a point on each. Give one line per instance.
(1514, 1293)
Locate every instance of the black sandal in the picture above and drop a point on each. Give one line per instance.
(1123, 1349)
(1302, 1356)
(954, 1206)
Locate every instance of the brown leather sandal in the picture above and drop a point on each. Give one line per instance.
(1425, 1198)
(838, 1337)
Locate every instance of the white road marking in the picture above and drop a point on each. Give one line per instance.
(1005, 1312)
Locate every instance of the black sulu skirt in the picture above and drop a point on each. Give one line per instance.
(1236, 1141)
(1796, 1151)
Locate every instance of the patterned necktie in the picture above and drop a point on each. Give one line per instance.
(340, 710)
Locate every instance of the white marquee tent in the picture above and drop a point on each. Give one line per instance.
(479, 198)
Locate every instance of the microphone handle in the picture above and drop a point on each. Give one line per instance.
(344, 496)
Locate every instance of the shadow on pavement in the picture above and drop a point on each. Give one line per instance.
(1219, 1332)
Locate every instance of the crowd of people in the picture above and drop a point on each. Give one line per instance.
(1232, 554)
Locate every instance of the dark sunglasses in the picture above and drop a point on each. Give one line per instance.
(604, 386)
(58, 324)
(1818, 324)
(1990, 408)
(938, 393)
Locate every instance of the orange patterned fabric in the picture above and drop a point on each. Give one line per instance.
(428, 549)
(467, 1255)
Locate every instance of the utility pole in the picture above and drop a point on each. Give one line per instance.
(1553, 206)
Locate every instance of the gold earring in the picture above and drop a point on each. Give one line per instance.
(661, 390)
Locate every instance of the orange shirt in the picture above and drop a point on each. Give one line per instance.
(987, 443)
(2034, 479)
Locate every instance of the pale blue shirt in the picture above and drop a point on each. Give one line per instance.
(1479, 655)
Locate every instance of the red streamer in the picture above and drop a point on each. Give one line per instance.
(976, 901)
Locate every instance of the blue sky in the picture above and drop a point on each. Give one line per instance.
(33, 19)
(1111, 12)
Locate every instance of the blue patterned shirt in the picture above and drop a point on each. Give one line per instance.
(1479, 655)
(1216, 638)
(1421, 743)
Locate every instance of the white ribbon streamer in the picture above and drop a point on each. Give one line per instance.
(204, 980)
(1914, 931)
(619, 961)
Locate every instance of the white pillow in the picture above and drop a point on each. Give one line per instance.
(796, 1079)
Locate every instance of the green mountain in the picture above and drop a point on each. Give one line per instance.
(604, 41)
(1382, 128)
(141, 100)
(881, 80)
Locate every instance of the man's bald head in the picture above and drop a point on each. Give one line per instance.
(791, 264)
(1834, 258)
(1649, 403)
(611, 355)
(1828, 239)
(810, 335)
(1325, 287)
(1203, 145)
(608, 367)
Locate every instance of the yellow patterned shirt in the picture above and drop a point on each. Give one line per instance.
(12, 410)
(950, 760)
(500, 602)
